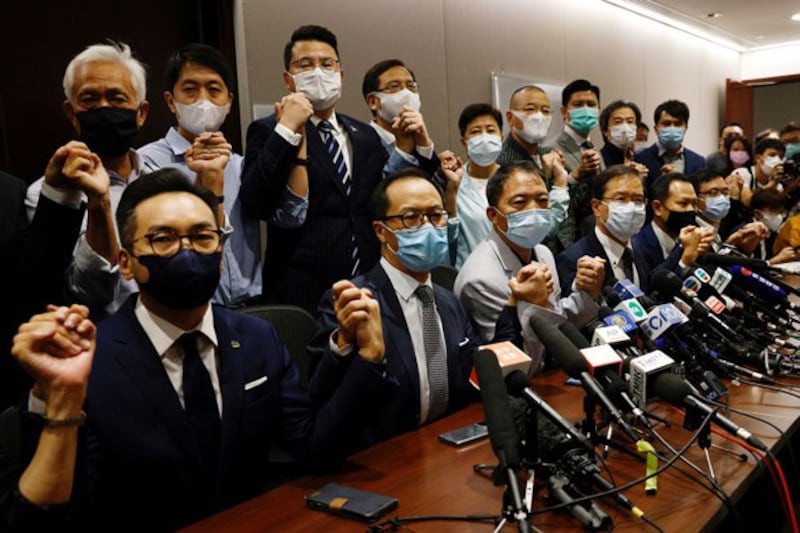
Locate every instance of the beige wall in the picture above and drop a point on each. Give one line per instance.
(454, 45)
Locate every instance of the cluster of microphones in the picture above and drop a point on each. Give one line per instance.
(725, 317)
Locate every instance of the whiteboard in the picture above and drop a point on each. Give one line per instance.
(503, 86)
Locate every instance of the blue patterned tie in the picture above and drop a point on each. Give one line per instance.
(434, 354)
(337, 156)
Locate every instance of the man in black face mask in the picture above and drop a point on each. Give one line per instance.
(673, 239)
(105, 101)
(185, 398)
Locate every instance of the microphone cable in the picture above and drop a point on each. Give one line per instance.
(626, 486)
(769, 387)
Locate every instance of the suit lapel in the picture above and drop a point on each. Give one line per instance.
(451, 336)
(597, 249)
(140, 361)
(231, 383)
(356, 143)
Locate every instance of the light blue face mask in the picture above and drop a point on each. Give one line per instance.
(528, 228)
(483, 149)
(791, 149)
(583, 119)
(423, 248)
(717, 207)
(671, 137)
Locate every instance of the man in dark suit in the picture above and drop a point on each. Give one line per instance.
(671, 118)
(185, 399)
(428, 338)
(309, 172)
(672, 240)
(618, 203)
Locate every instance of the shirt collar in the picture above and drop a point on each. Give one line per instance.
(404, 285)
(577, 137)
(667, 243)
(613, 249)
(662, 151)
(177, 142)
(386, 136)
(315, 120)
(163, 334)
(137, 168)
(508, 258)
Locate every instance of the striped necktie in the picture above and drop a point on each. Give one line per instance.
(434, 354)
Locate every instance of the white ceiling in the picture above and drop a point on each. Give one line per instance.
(747, 24)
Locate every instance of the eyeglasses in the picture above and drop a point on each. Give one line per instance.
(638, 201)
(168, 243)
(712, 193)
(397, 86)
(414, 219)
(307, 63)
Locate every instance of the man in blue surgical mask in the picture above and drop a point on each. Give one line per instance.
(580, 109)
(668, 155)
(519, 211)
(618, 202)
(422, 330)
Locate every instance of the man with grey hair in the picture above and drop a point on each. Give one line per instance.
(105, 90)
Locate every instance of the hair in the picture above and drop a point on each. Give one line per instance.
(473, 111)
(309, 33)
(201, 54)
(704, 176)
(742, 139)
(494, 187)
(379, 201)
(523, 89)
(601, 181)
(764, 134)
(728, 125)
(791, 127)
(767, 199)
(640, 124)
(370, 83)
(113, 52)
(576, 87)
(765, 144)
(676, 108)
(150, 185)
(613, 106)
(659, 189)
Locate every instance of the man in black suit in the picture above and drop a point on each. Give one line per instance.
(618, 204)
(309, 172)
(432, 359)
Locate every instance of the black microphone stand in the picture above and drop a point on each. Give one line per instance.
(513, 507)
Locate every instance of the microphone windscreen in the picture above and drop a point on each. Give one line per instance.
(611, 296)
(666, 283)
(671, 388)
(502, 433)
(709, 259)
(604, 311)
(574, 335)
(560, 348)
(516, 383)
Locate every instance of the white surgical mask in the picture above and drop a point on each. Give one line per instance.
(638, 146)
(483, 149)
(622, 135)
(534, 127)
(321, 86)
(625, 219)
(773, 221)
(392, 103)
(769, 164)
(201, 116)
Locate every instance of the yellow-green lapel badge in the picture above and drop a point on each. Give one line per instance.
(235, 344)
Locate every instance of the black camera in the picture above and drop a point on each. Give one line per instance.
(791, 167)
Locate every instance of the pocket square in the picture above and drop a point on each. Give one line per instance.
(464, 342)
(255, 383)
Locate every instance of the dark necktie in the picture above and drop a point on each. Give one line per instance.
(434, 354)
(627, 263)
(200, 404)
(337, 156)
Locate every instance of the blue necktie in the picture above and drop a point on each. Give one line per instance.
(337, 156)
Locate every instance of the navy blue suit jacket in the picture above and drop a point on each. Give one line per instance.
(401, 412)
(590, 245)
(301, 263)
(648, 251)
(693, 162)
(143, 463)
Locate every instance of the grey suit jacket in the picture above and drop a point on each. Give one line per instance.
(482, 287)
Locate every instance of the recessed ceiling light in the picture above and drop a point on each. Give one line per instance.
(796, 17)
(714, 15)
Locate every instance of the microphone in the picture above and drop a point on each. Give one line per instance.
(626, 289)
(709, 259)
(502, 433)
(674, 390)
(759, 285)
(519, 387)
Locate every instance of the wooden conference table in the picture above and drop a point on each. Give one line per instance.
(429, 477)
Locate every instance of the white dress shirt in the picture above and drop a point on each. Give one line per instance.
(614, 252)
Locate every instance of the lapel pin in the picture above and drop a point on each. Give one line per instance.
(235, 344)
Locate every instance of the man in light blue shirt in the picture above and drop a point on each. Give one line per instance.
(198, 84)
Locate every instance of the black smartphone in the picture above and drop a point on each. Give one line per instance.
(466, 434)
